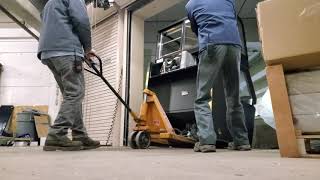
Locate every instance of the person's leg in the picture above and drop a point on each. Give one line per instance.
(68, 81)
(235, 113)
(79, 132)
(56, 76)
(78, 128)
(72, 94)
(208, 70)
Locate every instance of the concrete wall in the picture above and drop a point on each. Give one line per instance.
(137, 64)
(24, 80)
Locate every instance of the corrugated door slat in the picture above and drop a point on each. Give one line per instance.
(99, 104)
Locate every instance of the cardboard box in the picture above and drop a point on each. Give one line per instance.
(289, 31)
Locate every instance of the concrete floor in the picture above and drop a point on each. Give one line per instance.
(174, 164)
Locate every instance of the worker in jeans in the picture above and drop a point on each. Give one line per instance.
(65, 40)
(215, 24)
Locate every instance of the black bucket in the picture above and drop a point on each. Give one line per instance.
(26, 125)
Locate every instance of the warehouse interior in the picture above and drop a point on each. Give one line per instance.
(148, 44)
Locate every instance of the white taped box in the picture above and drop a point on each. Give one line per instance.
(306, 111)
(307, 123)
(305, 104)
(304, 94)
(305, 82)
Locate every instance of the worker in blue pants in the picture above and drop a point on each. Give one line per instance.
(215, 24)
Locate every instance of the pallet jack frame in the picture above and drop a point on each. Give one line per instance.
(152, 124)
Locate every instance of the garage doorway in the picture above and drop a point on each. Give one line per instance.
(152, 16)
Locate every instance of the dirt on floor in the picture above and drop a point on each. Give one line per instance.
(31, 163)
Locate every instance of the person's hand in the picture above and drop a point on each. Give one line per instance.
(90, 54)
(88, 57)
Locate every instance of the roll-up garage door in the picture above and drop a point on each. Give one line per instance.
(99, 107)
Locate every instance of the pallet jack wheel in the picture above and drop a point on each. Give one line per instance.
(143, 140)
(132, 140)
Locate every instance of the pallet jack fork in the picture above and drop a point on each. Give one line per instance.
(152, 124)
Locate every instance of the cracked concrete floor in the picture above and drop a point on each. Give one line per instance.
(157, 163)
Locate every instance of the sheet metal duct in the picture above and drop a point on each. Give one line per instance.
(39, 4)
(24, 11)
(22, 25)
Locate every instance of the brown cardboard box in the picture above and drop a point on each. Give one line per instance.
(289, 31)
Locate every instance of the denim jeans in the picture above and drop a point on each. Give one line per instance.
(72, 87)
(213, 60)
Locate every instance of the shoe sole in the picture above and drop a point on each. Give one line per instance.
(208, 151)
(196, 149)
(59, 148)
(90, 147)
(239, 149)
(243, 149)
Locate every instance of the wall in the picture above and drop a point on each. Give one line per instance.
(137, 64)
(24, 80)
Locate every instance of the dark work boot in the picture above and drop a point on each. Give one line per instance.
(54, 143)
(204, 148)
(87, 142)
(245, 147)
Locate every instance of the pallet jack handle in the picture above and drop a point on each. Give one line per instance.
(99, 73)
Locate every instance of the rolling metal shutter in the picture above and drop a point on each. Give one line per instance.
(99, 106)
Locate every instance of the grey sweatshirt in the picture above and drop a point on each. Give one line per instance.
(65, 27)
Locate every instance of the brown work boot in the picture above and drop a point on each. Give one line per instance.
(54, 143)
(204, 148)
(245, 147)
(87, 142)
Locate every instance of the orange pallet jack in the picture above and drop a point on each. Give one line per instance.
(152, 124)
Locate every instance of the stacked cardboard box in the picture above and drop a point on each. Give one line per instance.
(289, 32)
(304, 95)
